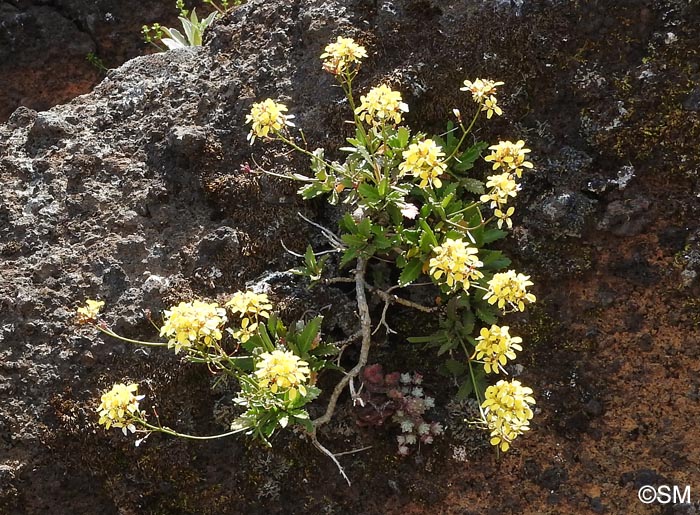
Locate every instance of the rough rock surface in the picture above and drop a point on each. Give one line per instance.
(140, 193)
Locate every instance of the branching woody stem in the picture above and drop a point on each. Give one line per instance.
(366, 329)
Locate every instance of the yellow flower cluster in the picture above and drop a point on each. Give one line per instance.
(88, 313)
(511, 156)
(509, 288)
(381, 105)
(267, 117)
(282, 371)
(119, 407)
(457, 262)
(507, 411)
(502, 186)
(250, 306)
(496, 346)
(483, 92)
(192, 323)
(481, 89)
(339, 56)
(423, 160)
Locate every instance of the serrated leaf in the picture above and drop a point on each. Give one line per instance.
(486, 315)
(495, 260)
(454, 367)
(368, 192)
(467, 159)
(474, 186)
(465, 389)
(492, 235)
(403, 135)
(410, 272)
(308, 335)
(448, 345)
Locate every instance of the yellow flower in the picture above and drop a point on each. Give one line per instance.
(504, 217)
(502, 186)
(507, 411)
(381, 105)
(250, 303)
(246, 331)
(511, 288)
(191, 324)
(496, 346)
(457, 262)
(339, 56)
(422, 159)
(89, 312)
(491, 106)
(267, 117)
(481, 89)
(282, 371)
(509, 155)
(119, 407)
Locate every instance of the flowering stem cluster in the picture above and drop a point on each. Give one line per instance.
(412, 202)
(275, 366)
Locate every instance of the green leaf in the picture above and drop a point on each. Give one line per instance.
(268, 345)
(474, 186)
(365, 228)
(403, 135)
(325, 349)
(369, 193)
(429, 235)
(348, 256)
(467, 159)
(347, 224)
(456, 368)
(494, 259)
(492, 235)
(448, 345)
(465, 390)
(486, 314)
(308, 335)
(411, 272)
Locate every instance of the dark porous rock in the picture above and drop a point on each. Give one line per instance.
(562, 213)
(692, 102)
(627, 217)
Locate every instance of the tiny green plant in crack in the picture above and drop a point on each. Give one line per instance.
(164, 38)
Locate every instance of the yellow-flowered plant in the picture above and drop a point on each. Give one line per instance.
(512, 157)
(412, 201)
(342, 56)
(119, 407)
(507, 411)
(491, 106)
(481, 89)
(192, 324)
(502, 186)
(457, 263)
(496, 346)
(282, 372)
(381, 105)
(267, 119)
(251, 307)
(89, 312)
(509, 289)
(504, 217)
(425, 161)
